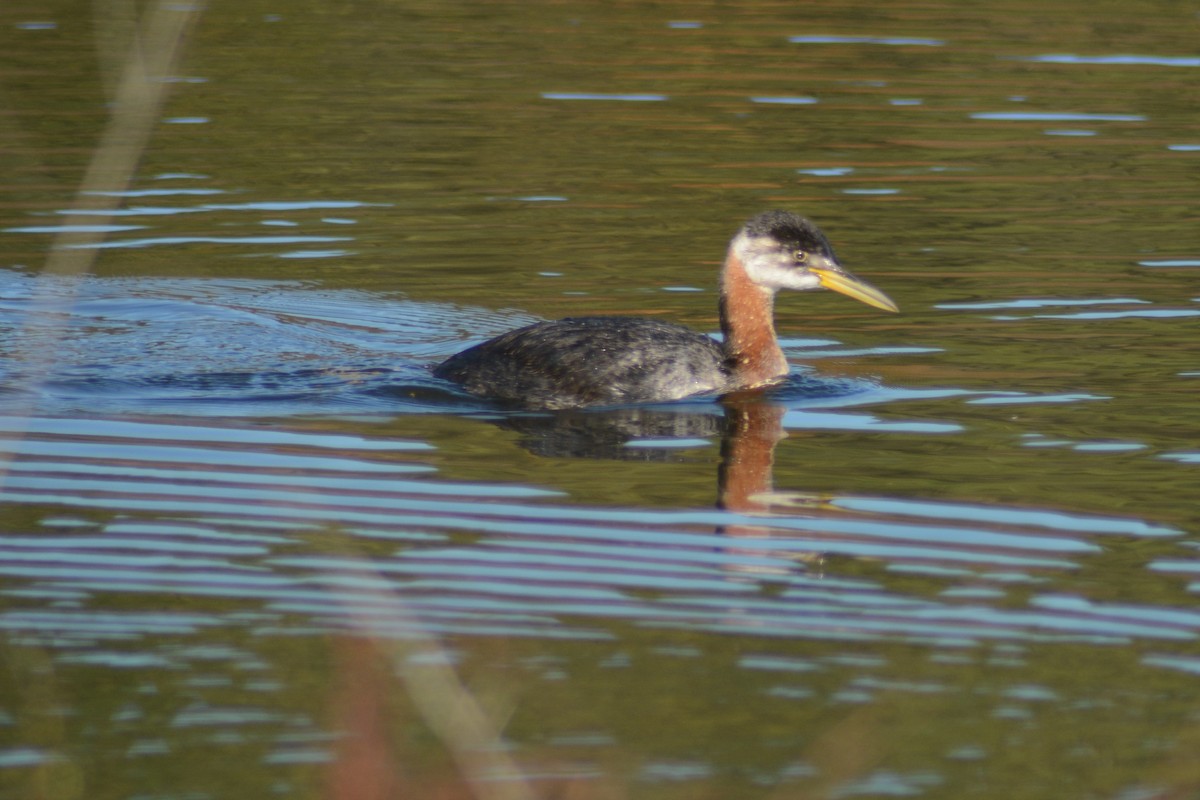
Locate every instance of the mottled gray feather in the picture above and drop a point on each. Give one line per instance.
(587, 361)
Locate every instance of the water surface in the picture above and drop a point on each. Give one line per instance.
(250, 546)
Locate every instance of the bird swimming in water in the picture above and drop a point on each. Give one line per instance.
(601, 361)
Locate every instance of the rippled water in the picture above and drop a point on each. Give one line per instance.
(250, 546)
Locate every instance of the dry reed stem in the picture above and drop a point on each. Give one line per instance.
(424, 669)
(151, 55)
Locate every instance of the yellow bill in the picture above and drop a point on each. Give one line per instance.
(860, 290)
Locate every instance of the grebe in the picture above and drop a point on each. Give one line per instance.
(590, 361)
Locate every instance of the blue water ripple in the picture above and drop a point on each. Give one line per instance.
(1123, 58)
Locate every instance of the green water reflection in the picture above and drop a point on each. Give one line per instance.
(1005, 171)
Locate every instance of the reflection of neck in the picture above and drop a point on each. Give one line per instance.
(747, 455)
(748, 325)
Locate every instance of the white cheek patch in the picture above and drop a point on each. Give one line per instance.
(770, 267)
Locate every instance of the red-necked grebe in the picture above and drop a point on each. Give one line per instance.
(591, 361)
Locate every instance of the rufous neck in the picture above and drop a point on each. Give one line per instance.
(748, 326)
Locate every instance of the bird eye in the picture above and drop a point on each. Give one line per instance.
(800, 256)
